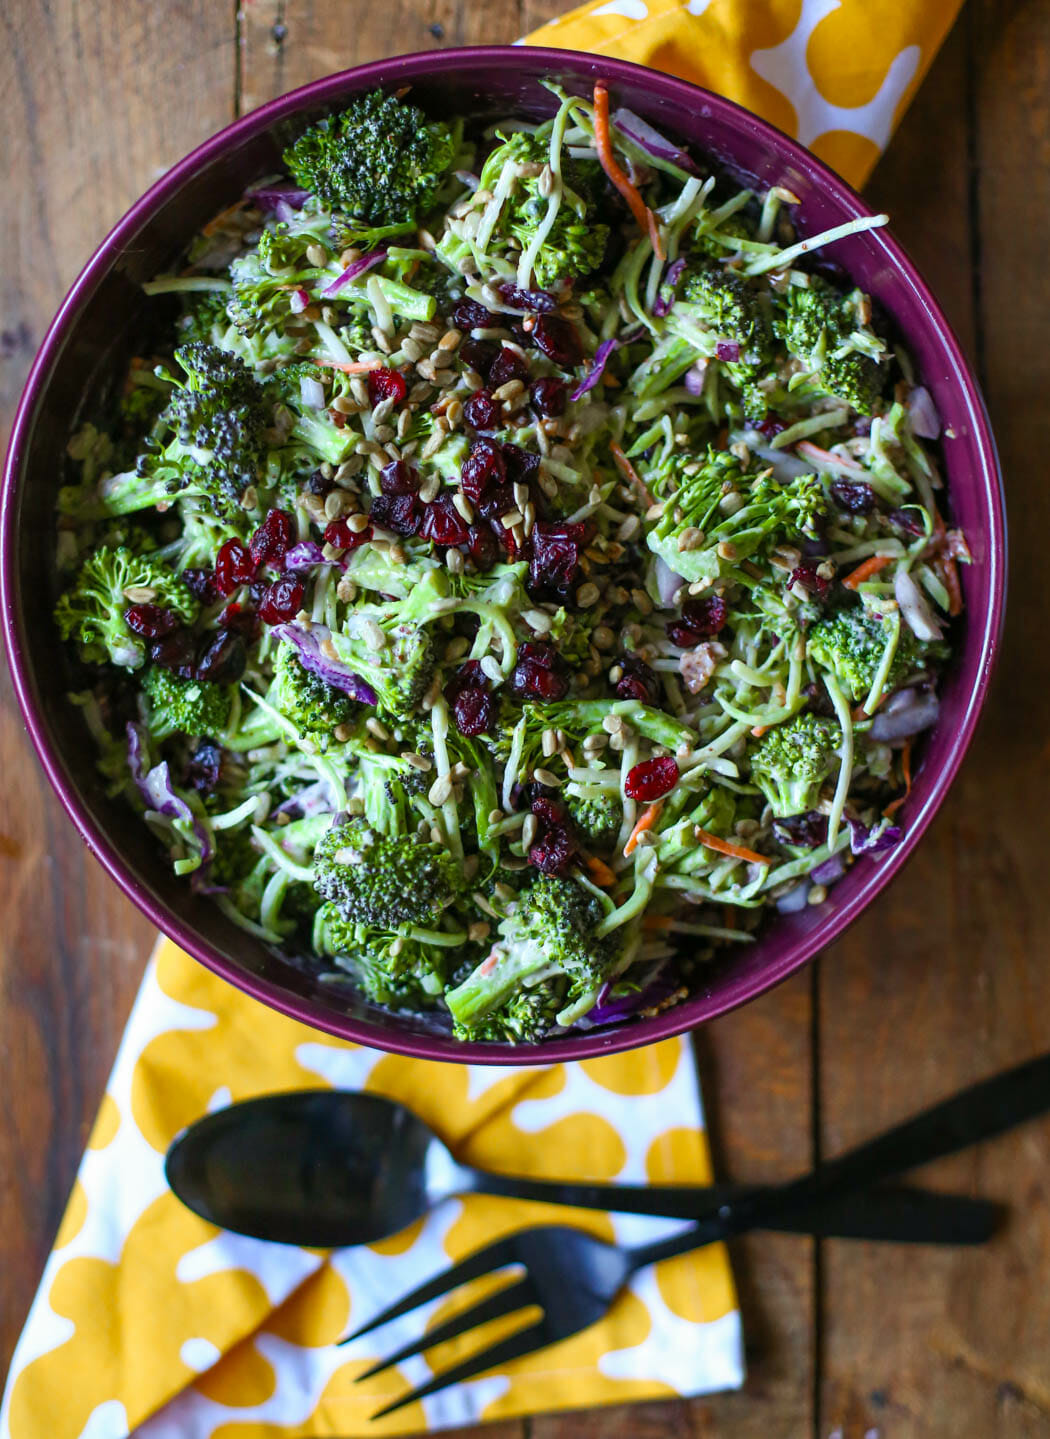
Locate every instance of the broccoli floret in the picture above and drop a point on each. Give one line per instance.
(238, 867)
(204, 318)
(852, 644)
(791, 762)
(380, 160)
(211, 438)
(313, 429)
(695, 526)
(266, 278)
(92, 611)
(597, 820)
(719, 302)
(576, 242)
(389, 647)
(389, 968)
(313, 706)
(817, 324)
(184, 706)
(383, 881)
(528, 1016)
(551, 938)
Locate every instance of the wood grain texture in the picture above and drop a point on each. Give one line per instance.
(99, 100)
(945, 983)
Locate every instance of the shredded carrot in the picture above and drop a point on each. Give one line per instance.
(895, 805)
(722, 846)
(223, 215)
(653, 922)
(487, 965)
(629, 473)
(728, 916)
(866, 569)
(599, 871)
(722, 438)
(603, 140)
(356, 367)
(646, 820)
(758, 730)
(945, 563)
(859, 713)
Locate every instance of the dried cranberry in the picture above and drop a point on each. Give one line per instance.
(258, 588)
(469, 676)
(201, 584)
(906, 521)
(339, 534)
(856, 497)
(637, 682)
(175, 652)
(521, 465)
(494, 504)
(338, 419)
(555, 558)
(651, 779)
(282, 601)
(770, 426)
(508, 365)
(443, 523)
(482, 547)
(481, 411)
(399, 478)
(401, 513)
(224, 658)
(474, 712)
(805, 576)
(805, 830)
(558, 340)
(472, 315)
(272, 540)
(317, 484)
(701, 618)
(549, 396)
(555, 843)
(233, 567)
(150, 620)
(534, 301)
(540, 673)
(241, 619)
(482, 469)
(205, 766)
(386, 385)
(478, 354)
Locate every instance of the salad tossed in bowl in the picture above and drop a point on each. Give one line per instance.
(520, 566)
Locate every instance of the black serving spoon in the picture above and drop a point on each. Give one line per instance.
(332, 1168)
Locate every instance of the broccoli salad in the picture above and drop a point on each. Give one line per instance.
(520, 566)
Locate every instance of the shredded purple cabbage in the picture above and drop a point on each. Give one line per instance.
(270, 198)
(660, 985)
(651, 141)
(877, 840)
(832, 869)
(305, 555)
(307, 643)
(156, 789)
(594, 374)
(366, 262)
(662, 306)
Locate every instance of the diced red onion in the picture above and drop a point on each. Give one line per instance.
(298, 301)
(651, 141)
(913, 606)
(307, 645)
(907, 717)
(795, 899)
(358, 267)
(694, 378)
(727, 350)
(467, 179)
(594, 374)
(925, 421)
(314, 799)
(312, 392)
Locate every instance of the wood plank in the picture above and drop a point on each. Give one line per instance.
(946, 981)
(99, 100)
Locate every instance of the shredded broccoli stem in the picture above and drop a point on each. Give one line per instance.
(842, 714)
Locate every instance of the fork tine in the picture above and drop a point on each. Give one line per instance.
(505, 1301)
(482, 1262)
(526, 1341)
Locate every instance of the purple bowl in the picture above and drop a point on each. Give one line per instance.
(95, 330)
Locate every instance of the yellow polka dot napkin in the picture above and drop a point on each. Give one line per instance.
(150, 1320)
(835, 74)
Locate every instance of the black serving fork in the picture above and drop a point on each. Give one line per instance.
(573, 1278)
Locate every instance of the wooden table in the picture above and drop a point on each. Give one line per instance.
(944, 983)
